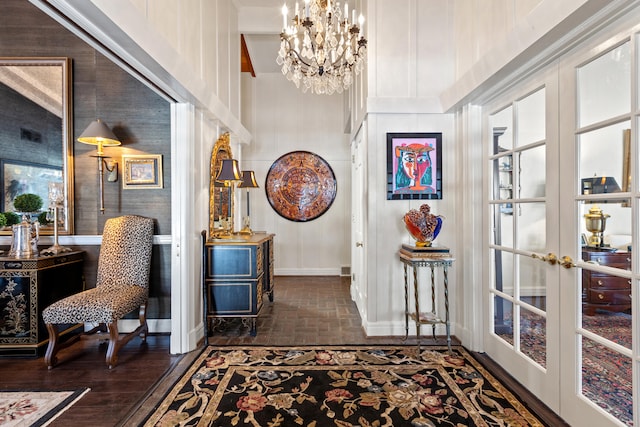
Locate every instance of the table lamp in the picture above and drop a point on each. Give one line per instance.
(248, 181)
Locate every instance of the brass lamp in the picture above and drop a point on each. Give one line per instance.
(596, 222)
(248, 181)
(228, 175)
(99, 134)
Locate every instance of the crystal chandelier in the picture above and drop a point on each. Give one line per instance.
(320, 47)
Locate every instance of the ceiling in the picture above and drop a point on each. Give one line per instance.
(263, 51)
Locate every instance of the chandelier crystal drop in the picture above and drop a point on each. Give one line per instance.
(320, 47)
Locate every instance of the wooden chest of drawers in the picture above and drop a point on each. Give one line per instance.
(603, 291)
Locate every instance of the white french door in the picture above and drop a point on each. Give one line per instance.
(599, 114)
(522, 293)
(563, 204)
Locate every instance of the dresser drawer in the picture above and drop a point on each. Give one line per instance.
(611, 259)
(609, 297)
(603, 282)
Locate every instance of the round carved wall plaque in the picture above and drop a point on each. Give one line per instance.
(300, 186)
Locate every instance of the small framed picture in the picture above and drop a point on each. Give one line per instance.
(141, 171)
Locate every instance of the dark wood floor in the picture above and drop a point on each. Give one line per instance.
(306, 310)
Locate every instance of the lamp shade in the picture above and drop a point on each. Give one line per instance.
(229, 171)
(248, 180)
(98, 133)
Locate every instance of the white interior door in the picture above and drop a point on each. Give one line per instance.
(599, 117)
(522, 292)
(564, 215)
(358, 259)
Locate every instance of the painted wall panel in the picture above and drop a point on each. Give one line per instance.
(283, 119)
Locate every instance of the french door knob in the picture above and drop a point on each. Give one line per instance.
(551, 258)
(566, 262)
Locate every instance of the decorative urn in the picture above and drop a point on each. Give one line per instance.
(423, 226)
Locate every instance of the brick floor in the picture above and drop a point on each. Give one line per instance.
(307, 310)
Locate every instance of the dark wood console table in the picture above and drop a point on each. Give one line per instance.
(28, 286)
(236, 273)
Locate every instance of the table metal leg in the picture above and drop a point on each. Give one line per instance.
(417, 302)
(446, 306)
(433, 299)
(406, 304)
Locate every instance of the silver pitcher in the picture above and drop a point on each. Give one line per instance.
(24, 243)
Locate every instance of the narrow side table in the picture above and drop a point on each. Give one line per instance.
(432, 257)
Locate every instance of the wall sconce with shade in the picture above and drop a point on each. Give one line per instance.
(99, 134)
(228, 175)
(248, 181)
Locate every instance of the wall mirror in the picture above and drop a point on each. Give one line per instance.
(220, 196)
(36, 135)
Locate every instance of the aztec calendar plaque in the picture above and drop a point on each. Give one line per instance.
(300, 186)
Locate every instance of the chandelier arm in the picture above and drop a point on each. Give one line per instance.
(300, 58)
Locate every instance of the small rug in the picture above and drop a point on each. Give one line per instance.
(35, 408)
(338, 386)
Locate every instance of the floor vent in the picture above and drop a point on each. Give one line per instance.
(345, 270)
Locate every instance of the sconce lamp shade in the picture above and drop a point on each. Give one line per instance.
(248, 180)
(229, 171)
(98, 133)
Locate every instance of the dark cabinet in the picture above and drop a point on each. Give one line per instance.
(237, 273)
(28, 286)
(603, 291)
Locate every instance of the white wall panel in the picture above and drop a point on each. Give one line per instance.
(190, 33)
(163, 16)
(234, 63)
(283, 119)
(224, 55)
(435, 68)
(394, 39)
(209, 44)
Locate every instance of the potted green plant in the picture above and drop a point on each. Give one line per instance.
(11, 218)
(3, 220)
(27, 202)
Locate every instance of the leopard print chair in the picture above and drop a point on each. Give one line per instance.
(122, 285)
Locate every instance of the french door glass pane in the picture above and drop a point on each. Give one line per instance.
(533, 336)
(604, 86)
(503, 263)
(532, 173)
(532, 281)
(607, 379)
(602, 154)
(531, 226)
(607, 227)
(501, 123)
(503, 225)
(504, 166)
(531, 118)
(503, 319)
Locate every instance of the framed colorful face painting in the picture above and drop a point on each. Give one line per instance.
(414, 166)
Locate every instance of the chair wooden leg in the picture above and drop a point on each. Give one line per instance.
(143, 328)
(114, 345)
(52, 349)
(115, 342)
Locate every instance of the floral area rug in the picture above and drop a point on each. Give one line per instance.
(35, 408)
(339, 386)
